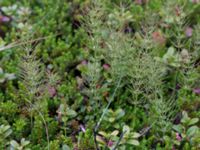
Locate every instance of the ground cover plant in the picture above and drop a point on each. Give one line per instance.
(100, 75)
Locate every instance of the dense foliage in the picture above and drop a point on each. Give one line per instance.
(99, 74)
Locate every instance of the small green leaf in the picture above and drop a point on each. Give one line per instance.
(171, 51)
(6, 127)
(103, 133)
(111, 119)
(24, 143)
(7, 133)
(71, 113)
(192, 131)
(178, 128)
(126, 129)
(14, 144)
(115, 133)
(185, 115)
(65, 147)
(193, 121)
(133, 142)
(1, 70)
(135, 135)
(100, 139)
(119, 113)
(185, 120)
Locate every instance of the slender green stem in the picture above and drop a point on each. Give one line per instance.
(108, 105)
(45, 123)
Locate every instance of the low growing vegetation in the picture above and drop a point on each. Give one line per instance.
(100, 75)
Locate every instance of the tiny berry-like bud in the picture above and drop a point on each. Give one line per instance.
(106, 66)
(84, 62)
(4, 19)
(98, 86)
(188, 32)
(110, 143)
(195, 1)
(105, 94)
(178, 137)
(52, 91)
(158, 38)
(82, 128)
(196, 90)
(178, 11)
(138, 2)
